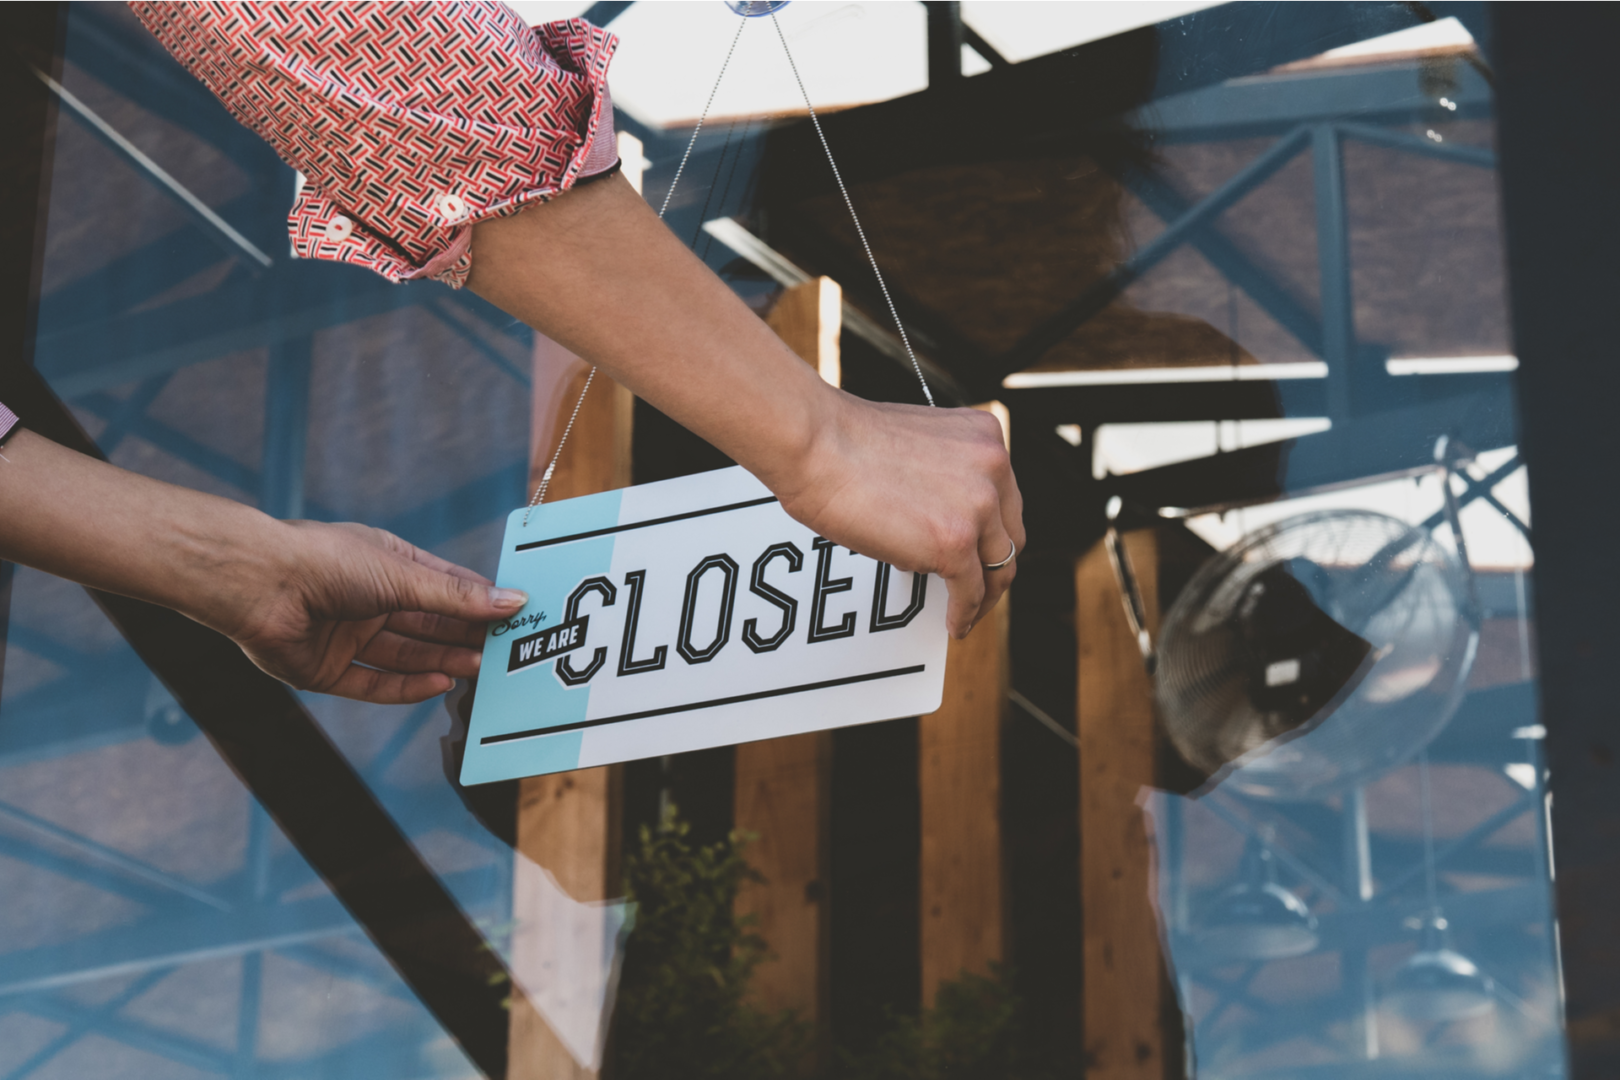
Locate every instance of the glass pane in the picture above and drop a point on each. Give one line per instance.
(1247, 785)
(160, 924)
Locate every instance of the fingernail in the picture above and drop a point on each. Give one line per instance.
(508, 597)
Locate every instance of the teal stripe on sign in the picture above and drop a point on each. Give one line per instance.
(524, 757)
(534, 697)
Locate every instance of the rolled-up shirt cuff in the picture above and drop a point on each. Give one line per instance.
(8, 422)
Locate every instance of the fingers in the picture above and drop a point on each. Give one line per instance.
(389, 542)
(392, 652)
(975, 589)
(389, 688)
(1004, 535)
(437, 628)
(964, 577)
(419, 588)
(402, 670)
(445, 566)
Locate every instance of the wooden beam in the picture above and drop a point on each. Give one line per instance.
(809, 319)
(959, 781)
(568, 823)
(783, 785)
(782, 788)
(1124, 981)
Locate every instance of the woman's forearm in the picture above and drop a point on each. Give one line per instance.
(96, 524)
(599, 273)
(339, 608)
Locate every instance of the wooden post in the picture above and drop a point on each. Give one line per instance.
(809, 319)
(959, 781)
(782, 788)
(1124, 1034)
(782, 785)
(568, 823)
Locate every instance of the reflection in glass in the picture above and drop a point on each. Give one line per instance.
(1257, 919)
(1241, 289)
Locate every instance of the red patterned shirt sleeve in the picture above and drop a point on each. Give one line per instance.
(409, 121)
(8, 421)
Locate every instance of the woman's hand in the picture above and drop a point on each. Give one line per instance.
(363, 614)
(922, 489)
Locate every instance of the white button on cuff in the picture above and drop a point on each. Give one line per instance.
(339, 229)
(453, 208)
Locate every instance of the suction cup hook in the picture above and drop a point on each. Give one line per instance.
(1130, 592)
(1257, 919)
(753, 9)
(1439, 983)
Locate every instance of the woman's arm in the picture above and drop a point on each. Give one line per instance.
(923, 489)
(343, 609)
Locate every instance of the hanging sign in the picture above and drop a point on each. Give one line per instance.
(691, 613)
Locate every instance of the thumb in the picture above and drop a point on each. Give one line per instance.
(422, 588)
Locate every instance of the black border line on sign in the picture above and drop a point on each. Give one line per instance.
(512, 736)
(644, 524)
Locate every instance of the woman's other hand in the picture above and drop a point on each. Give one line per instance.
(362, 614)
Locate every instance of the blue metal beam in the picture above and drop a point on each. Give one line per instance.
(74, 870)
(1333, 267)
(136, 66)
(457, 511)
(94, 851)
(288, 302)
(286, 427)
(605, 11)
(70, 715)
(25, 637)
(222, 233)
(171, 939)
(131, 279)
(446, 313)
(1094, 299)
(86, 1022)
(1233, 263)
(176, 936)
(133, 1033)
(206, 458)
(1244, 108)
(247, 1016)
(130, 411)
(1459, 153)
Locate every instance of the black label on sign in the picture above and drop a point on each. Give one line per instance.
(531, 650)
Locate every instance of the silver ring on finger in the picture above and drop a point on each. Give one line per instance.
(1012, 553)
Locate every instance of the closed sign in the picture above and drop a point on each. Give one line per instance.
(686, 614)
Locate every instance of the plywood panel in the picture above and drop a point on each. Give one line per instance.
(568, 823)
(1124, 1037)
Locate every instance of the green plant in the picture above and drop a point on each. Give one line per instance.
(971, 1033)
(682, 1009)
